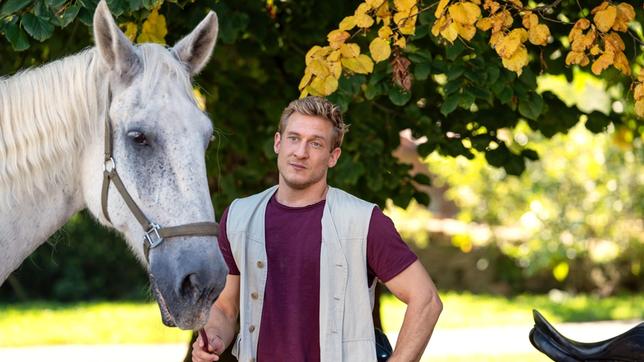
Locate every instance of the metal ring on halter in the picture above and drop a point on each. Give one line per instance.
(152, 236)
(109, 165)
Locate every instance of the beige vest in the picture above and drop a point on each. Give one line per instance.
(346, 301)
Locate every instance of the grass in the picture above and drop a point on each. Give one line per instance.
(41, 323)
(464, 310)
(45, 323)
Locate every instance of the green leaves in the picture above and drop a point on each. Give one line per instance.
(531, 106)
(399, 96)
(38, 28)
(12, 6)
(16, 36)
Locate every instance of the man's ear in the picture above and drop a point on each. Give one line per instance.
(335, 156)
(195, 49)
(277, 142)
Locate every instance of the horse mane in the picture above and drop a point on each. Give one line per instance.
(49, 113)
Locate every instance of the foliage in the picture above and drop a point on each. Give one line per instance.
(583, 201)
(452, 87)
(459, 95)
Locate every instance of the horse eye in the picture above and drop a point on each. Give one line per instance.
(138, 138)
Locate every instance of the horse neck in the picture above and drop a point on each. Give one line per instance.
(38, 200)
(27, 223)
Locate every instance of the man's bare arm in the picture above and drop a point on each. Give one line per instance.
(414, 287)
(221, 323)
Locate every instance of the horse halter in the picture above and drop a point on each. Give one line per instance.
(154, 234)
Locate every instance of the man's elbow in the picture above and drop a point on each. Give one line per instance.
(431, 304)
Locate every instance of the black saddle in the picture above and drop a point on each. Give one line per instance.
(627, 347)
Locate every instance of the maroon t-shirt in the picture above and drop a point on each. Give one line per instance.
(290, 325)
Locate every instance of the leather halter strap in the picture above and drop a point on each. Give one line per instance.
(154, 234)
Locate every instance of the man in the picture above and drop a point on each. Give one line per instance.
(303, 260)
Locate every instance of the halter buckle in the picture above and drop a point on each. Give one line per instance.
(109, 165)
(152, 235)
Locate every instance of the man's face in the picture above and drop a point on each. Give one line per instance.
(304, 151)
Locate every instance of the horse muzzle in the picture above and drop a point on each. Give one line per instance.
(185, 286)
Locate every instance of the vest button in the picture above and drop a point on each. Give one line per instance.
(251, 329)
(254, 295)
(260, 264)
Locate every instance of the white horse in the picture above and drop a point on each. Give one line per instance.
(53, 159)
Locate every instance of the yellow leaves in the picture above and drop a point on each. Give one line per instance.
(465, 13)
(517, 60)
(466, 31)
(380, 49)
(374, 4)
(580, 58)
(385, 32)
(638, 94)
(361, 64)
(305, 79)
(605, 46)
(406, 21)
(323, 86)
(337, 38)
(130, 30)
(316, 52)
(154, 29)
(613, 17)
(347, 23)
(639, 108)
(405, 5)
(319, 68)
(603, 62)
(530, 20)
(458, 20)
(349, 50)
(605, 16)
(446, 28)
(625, 14)
(620, 63)
(363, 20)
(509, 44)
(613, 42)
(539, 34)
(442, 4)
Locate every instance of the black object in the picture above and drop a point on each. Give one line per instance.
(383, 347)
(626, 347)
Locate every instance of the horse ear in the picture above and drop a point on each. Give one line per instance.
(195, 49)
(114, 47)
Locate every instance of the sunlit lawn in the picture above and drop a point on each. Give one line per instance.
(468, 310)
(138, 322)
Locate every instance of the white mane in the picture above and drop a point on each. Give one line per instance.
(48, 114)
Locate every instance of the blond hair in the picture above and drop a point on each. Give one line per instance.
(319, 107)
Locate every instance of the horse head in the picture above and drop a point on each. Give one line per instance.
(158, 137)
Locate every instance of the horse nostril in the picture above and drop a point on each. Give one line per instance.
(190, 286)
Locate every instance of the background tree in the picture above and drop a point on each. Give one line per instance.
(456, 72)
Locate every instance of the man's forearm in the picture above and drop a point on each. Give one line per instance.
(420, 318)
(222, 325)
